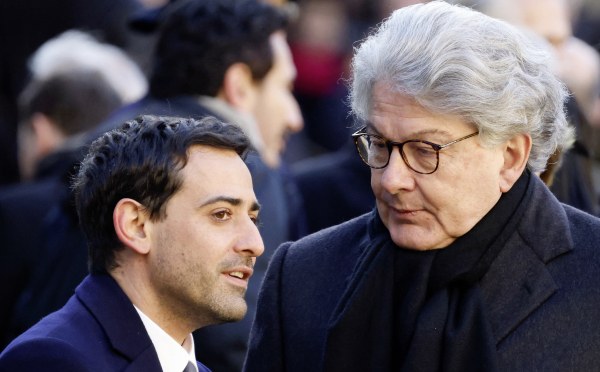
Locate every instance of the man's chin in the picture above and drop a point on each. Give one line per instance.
(232, 312)
(416, 238)
(271, 158)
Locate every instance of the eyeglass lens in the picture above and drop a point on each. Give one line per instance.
(419, 156)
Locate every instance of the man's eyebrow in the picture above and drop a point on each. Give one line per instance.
(226, 199)
(370, 128)
(233, 201)
(431, 131)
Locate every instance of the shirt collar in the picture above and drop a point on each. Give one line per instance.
(172, 356)
(234, 116)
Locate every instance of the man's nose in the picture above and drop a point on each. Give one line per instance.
(397, 175)
(249, 242)
(294, 119)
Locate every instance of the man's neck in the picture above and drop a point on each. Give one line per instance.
(140, 293)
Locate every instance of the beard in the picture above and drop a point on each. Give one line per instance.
(197, 294)
(228, 305)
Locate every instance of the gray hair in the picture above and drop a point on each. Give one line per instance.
(456, 61)
(76, 50)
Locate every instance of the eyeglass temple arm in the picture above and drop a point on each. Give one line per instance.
(360, 131)
(458, 140)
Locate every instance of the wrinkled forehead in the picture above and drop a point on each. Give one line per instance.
(398, 117)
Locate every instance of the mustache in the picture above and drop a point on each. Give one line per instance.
(235, 262)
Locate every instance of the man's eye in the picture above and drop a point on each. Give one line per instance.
(378, 144)
(256, 220)
(222, 215)
(426, 151)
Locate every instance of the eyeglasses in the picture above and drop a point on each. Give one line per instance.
(420, 156)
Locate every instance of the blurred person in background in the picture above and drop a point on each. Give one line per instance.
(335, 180)
(587, 21)
(26, 25)
(229, 59)
(71, 52)
(76, 83)
(468, 262)
(578, 66)
(320, 45)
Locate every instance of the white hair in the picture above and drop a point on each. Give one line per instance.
(455, 61)
(76, 50)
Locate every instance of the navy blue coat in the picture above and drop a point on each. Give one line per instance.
(542, 293)
(97, 330)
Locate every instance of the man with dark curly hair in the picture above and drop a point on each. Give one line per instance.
(170, 216)
(230, 59)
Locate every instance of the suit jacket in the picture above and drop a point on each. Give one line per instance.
(97, 330)
(541, 294)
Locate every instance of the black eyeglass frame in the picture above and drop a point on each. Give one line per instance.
(390, 146)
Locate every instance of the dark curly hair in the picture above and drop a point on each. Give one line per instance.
(140, 160)
(200, 39)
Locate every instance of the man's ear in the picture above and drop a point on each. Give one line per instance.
(130, 221)
(47, 135)
(239, 88)
(516, 153)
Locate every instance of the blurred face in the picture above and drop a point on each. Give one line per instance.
(276, 110)
(203, 252)
(549, 19)
(429, 211)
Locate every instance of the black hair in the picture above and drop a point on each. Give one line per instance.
(200, 39)
(140, 160)
(75, 101)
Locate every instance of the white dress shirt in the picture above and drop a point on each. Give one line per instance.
(172, 356)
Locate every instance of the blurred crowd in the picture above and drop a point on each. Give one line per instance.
(71, 70)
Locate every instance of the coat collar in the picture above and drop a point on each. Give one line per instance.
(518, 281)
(114, 311)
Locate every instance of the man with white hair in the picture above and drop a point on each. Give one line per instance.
(468, 262)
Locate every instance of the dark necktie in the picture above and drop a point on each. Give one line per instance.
(189, 368)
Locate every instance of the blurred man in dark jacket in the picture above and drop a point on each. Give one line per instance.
(76, 82)
(26, 25)
(56, 112)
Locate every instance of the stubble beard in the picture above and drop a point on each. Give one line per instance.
(200, 296)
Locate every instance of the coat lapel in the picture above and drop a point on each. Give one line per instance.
(518, 281)
(147, 358)
(114, 311)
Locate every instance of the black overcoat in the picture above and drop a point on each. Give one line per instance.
(541, 294)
